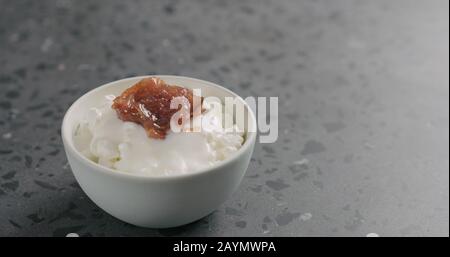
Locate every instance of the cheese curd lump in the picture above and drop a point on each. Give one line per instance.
(108, 140)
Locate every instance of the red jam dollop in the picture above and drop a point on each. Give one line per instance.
(148, 103)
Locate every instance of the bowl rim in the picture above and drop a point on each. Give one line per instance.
(70, 147)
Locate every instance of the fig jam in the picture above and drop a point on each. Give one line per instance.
(148, 103)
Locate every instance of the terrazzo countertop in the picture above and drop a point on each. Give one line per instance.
(363, 109)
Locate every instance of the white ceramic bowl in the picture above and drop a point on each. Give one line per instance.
(156, 202)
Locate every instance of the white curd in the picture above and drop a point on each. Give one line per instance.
(104, 138)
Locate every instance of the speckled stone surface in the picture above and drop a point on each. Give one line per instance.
(364, 124)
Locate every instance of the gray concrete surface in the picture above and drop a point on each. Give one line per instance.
(363, 88)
